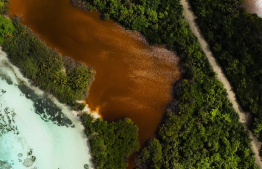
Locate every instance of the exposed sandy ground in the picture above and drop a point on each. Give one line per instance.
(244, 116)
(54, 146)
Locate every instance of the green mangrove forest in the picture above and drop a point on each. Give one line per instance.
(235, 37)
(111, 143)
(64, 78)
(68, 80)
(200, 128)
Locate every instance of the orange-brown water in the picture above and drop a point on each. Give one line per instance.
(254, 6)
(132, 78)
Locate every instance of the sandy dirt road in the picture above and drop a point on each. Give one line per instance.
(243, 116)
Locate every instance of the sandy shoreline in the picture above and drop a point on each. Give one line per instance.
(62, 147)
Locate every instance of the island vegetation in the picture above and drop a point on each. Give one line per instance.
(111, 143)
(3, 7)
(64, 78)
(200, 128)
(68, 80)
(235, 38)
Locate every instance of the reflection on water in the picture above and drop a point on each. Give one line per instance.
(132, 78)
(254, 6)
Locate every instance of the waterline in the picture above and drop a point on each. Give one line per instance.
(49, 138)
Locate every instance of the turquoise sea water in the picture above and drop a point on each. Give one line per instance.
(36, 131)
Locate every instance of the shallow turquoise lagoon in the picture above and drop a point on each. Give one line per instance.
(36, 131)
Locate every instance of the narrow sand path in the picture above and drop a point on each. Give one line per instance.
(244, 117)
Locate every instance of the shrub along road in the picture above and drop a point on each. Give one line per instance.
(243, 116)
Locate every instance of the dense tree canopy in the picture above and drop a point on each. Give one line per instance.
(200, 128)
(151, 155)
(64, 78)
(235, 37)
(111, 143)
(6, 29)
(68, 80)
(3, 6)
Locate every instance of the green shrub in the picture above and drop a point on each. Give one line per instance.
(237, 44)
(64, 78)
(6, 29)
(201, 128)
(111, 143)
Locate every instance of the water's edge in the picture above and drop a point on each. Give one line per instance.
(37, 118)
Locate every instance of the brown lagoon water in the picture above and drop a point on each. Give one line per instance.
(254, 6)
(132, 78)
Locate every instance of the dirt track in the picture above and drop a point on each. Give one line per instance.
(243, 116)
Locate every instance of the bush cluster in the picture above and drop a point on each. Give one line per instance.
(111, 143)
(200, 128)
(235, 38)
(68, 80)
(64, 78)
